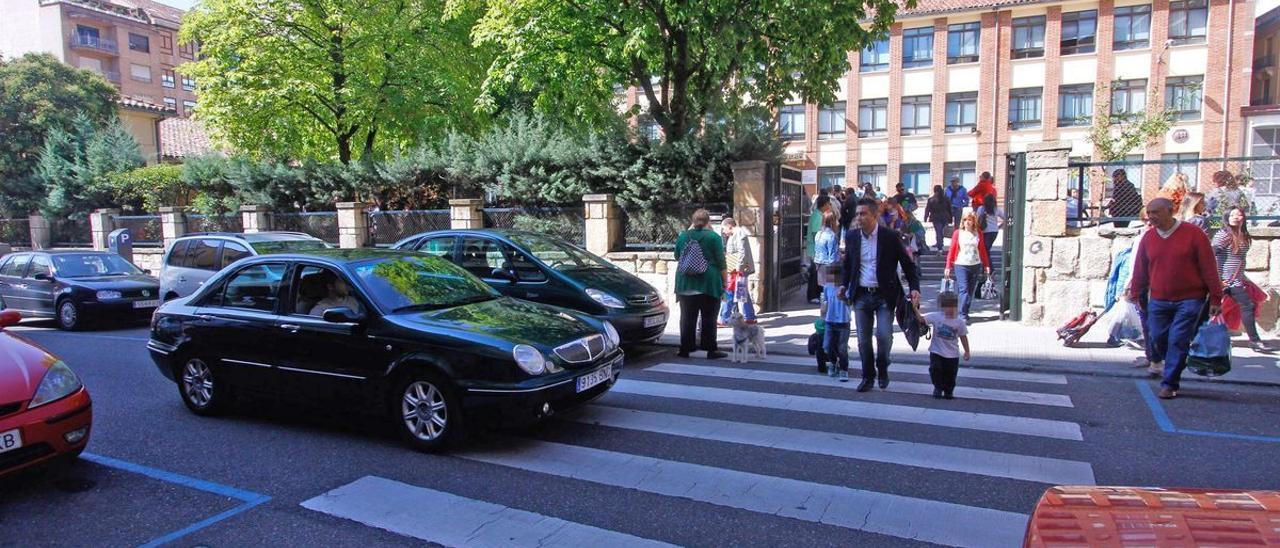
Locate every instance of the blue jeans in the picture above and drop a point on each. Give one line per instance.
(957, 215)
(967, 285)
(740, 294)
(873, 315)
(836, 343)
(1172, 325)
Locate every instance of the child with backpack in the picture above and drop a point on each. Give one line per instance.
(949, 333)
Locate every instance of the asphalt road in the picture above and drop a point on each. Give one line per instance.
(686, 452)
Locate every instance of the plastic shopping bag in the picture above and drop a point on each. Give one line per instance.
(1210, 353)
(947, 285)
(1125, 323)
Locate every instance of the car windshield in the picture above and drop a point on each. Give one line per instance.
(557, 253)
(287, 246)
(409, 283)
(92, 264)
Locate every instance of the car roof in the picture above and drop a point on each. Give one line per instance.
(336, 256)
(273, 236)
(505, 233)
(65, 252)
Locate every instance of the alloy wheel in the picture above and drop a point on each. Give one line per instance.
(67, 315)
(197, 383)
(425, 413)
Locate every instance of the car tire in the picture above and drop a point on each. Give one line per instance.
(426, 411)
(200, 388)
(69, 317)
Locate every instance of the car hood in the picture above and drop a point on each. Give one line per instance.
(617, 282)
(139, 281)
(22, 367)
(511, 320)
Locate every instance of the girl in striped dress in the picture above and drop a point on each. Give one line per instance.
(1231, 246)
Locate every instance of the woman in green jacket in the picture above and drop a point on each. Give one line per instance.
(700, 284)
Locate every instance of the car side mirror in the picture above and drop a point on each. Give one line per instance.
(341, 314)
(503, 274)
(148, 272)
(41, 276)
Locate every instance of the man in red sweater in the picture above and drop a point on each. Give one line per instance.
(1177, 265)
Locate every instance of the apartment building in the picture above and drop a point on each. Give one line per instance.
(1262, 116)
(132, 43)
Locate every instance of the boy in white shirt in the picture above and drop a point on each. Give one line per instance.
(944, 352)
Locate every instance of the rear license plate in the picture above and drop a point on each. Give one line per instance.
(590, 380)
(10, 440)
(146, 304)
(653, 321)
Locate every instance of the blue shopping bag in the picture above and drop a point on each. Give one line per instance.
(1210, 353)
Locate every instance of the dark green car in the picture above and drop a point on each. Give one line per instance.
(547, 269)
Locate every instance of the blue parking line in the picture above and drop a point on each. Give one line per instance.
(248, 498)
(1166, 424)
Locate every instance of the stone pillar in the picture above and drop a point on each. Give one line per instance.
(748, 211)
(173, 223)
(41, 232)
(101, 223)
(466, 214)
(353, 225)
(603, 223)
(1051, 290)
(257, 218)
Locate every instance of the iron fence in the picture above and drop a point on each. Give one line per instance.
(1116, 192)
(567, 222)
(70, 232)
(321, 224)
(656, 228)
(227, 222)
(144, 230)
(15, 232)
(389, 227)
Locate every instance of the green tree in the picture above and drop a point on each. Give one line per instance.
(332, 79)
(76, 165)
(152, 187)
(1117, 134)
(39, 94)
(689, 59)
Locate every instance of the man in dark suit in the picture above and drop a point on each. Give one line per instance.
(870, 280)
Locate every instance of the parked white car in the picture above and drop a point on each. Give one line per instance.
(194, 258)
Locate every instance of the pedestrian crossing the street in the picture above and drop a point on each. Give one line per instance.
(1008, 430)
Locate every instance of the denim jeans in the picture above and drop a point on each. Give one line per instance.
(1172, 325)
(967, 277)
(742, 294)
(836, 343)
(957, 215)
(1241, 296)
(872, 314)
(939, 232)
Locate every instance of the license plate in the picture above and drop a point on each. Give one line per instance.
(653, 321)
(146, 304)
(10, 440)
(586, 382)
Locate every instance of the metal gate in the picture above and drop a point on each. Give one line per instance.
(1015, 192)
(783, 236)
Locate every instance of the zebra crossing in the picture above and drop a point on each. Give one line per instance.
(715, 406)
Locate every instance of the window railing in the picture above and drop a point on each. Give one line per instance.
(89, 41)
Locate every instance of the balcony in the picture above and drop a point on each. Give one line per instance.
(94, 43)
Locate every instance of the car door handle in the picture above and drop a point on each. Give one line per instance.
(292, 328)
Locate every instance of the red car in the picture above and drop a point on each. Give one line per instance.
(45, 412)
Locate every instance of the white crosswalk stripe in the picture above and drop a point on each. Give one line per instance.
(965, 372)
(991, 394)
(451, 520)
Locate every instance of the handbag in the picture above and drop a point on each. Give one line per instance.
(990, 288)
(1210, 353)
(946, 285)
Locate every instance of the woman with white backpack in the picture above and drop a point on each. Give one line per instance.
(700, 281)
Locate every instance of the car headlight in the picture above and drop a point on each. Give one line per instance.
(59, 382)
(611, 333)
(605, 299)
(529, 359)
(108, 295)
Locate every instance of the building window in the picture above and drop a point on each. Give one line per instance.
(962, 112)
(830, 176)
(915, 177)
(1078, 31)
(1075, 105)
(916, 113)
(873, 117)
(917, 47)
(171, 103)
(1182, 96)
(967, 172)
(138, 42)
(791, 122)
(188, 106)
(1132, 27)
(188, 83)
(167, 78)
(1128, 97)
(876, 176)
(648, 128)
(1185, 163)
(1028, 37)
(141, 73)
(962, 43)
(831, 121)
(875, 57)
(1266, 174)
(1188, 21)
(1024, 108)
(166, 43)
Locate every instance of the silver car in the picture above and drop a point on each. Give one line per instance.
(194, 258)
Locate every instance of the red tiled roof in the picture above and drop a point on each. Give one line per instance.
(924, 7)
(141, 104)
(183, 138)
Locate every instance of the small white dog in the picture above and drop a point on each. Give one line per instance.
(747, 338)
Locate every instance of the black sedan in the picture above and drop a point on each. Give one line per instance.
(410, 335)
(76, 287)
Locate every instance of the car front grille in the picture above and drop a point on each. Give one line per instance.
(24, 455)
(140, 294)
(644, 300)
(582, 350)
(10, 408)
